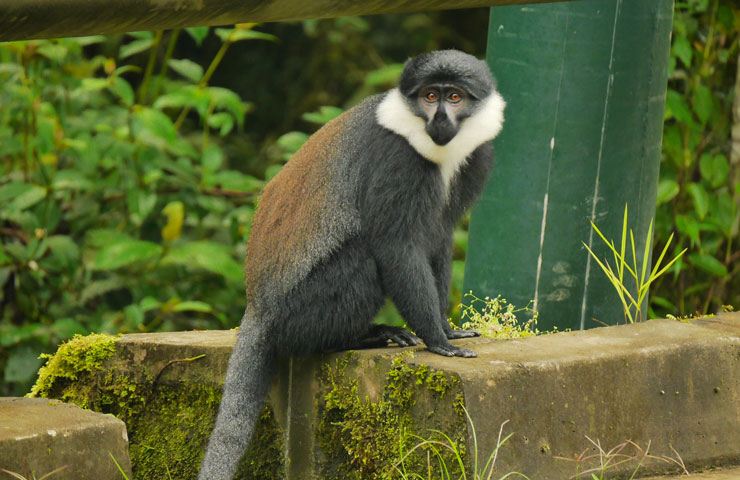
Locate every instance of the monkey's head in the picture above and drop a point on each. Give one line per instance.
(443, 88)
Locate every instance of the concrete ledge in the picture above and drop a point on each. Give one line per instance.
(38, 436)
(668, 384)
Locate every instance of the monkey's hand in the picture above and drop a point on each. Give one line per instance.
(452, 351)
(452, 334)
(379, 335)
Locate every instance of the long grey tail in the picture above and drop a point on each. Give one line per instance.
(248, 376)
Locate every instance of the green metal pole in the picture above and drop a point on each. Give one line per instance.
(585, 85)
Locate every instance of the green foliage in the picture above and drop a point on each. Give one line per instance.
(632, 300)
(497, 318)
(699, 189)
(114, 215)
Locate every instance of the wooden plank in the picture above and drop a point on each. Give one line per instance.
(28, 19)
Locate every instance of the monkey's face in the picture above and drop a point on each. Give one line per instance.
(443, 107)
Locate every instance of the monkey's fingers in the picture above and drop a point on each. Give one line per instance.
(404, 338)
(462, 334)
(398, 335)
(452, 351)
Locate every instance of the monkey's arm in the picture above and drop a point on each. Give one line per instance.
(409, 281)
(441, 263)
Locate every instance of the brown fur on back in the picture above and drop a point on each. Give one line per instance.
(305, 212)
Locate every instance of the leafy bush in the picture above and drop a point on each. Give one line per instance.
(699, 189)
(112, 217)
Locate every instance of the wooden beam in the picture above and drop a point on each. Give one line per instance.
(28, 19)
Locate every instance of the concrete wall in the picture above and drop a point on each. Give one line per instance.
(671, 386)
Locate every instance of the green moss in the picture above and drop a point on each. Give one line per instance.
(363, 439)
(170, 436)
(168, 421)
(81, 355)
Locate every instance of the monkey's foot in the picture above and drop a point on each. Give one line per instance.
(380, 335)
(452, 351)
(452, 334)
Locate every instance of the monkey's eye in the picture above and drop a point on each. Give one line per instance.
(431, 97)
(454, 97)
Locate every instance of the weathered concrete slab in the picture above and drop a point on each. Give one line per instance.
(663, 383)
(38, 436)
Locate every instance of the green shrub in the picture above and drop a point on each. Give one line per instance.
(113, 217)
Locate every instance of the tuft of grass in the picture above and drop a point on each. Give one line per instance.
(497, 318)
(33, 477)
(638, 273)
(440, 442)
(595, 466)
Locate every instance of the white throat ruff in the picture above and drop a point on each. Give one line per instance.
(394, 114)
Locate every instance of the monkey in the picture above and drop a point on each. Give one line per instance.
(364, 210)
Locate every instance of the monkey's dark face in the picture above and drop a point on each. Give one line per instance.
(443, 106)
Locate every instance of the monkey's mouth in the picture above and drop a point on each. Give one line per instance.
(441, 132)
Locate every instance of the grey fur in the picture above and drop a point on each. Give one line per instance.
(356, 216)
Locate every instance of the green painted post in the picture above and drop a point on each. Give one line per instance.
(585, 86)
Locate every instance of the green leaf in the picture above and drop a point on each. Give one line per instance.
(175, 213)
(134, 315)
(93, 84)
(207, 255)
(53, 52)
(122, 89)
(238, 34)
(192, 306)
(212, 158)
(222, 121)
(292, 141)
(65, 328)
(385, 76)
(703, 103)
(667, 190)
(64, 250)
(140, 204)
(176, 99)
(70, 179)
(232, 180)
(135, 47)
(228, 100)
(105, 236)
(17, 196)
(709, 264)
(22, 364)
(714, 169)
(4, 260)
(187, 68)
(125, 253)
(101, 287)
(154, 127)
(682, 49)
(198, 34)
(676, 107)
(700, 198)
(689, 227)
(324, 115)
(89, 40)
(149, 303)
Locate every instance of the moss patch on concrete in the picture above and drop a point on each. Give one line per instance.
(80, 356)
(168, 420)
(364, 439)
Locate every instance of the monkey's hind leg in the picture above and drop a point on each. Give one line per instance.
(248, 376)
